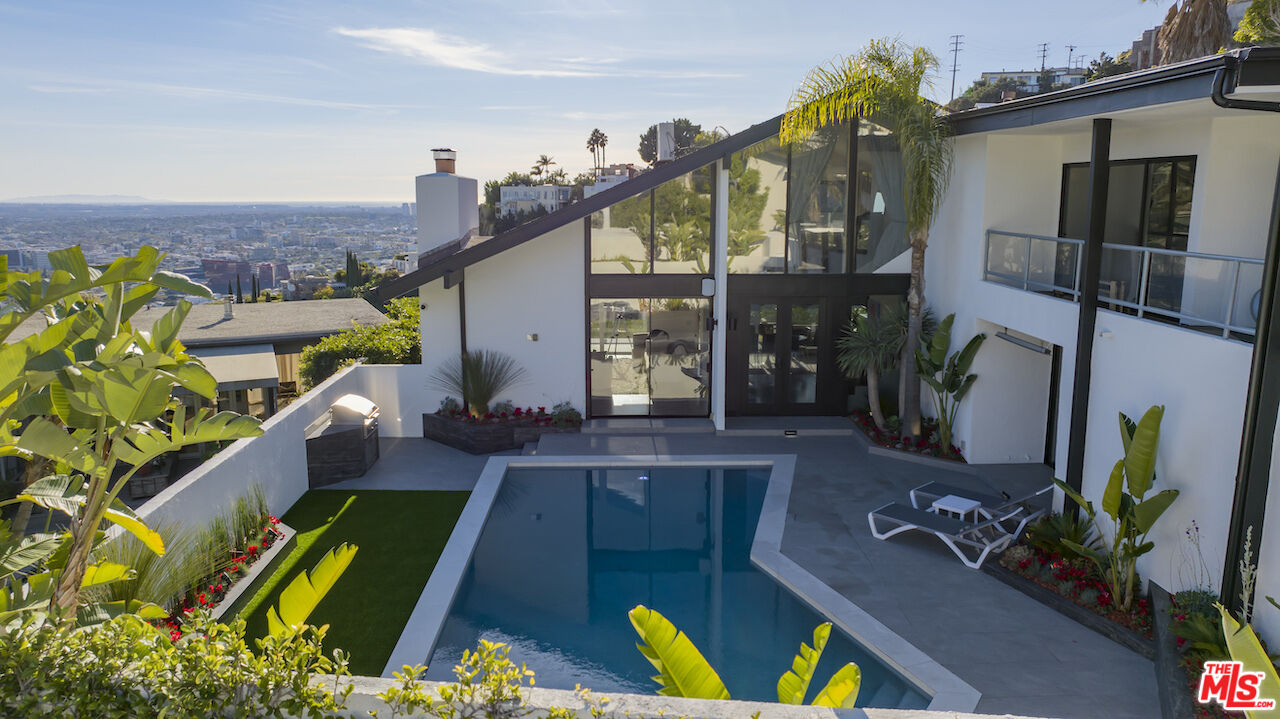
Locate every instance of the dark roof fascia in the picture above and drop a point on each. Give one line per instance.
(262, 339)
(578, 210)
(1171, 83)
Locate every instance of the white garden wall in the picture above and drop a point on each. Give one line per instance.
(536, 288)
(277, 460)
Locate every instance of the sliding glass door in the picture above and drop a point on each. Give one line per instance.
(650, 357)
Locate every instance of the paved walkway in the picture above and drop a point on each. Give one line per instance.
(1025, 658)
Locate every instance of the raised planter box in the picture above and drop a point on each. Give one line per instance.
(485, 438)
(1121, 635)
(1176, 700)
(244, 589)
(927, 460)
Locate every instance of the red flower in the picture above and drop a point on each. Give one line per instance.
(218, 588)
(273, 519)
(253, 549)
(542, 410)
(519, 411)
(174, 635)
(202, 598)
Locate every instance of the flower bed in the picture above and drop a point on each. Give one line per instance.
(497, 431)
(210, 591)
(1078, 581)
(927, 445)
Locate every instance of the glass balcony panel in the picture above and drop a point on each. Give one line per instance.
(1043, 274)
(1248, 298)
(1199, 288)
(880, 213)
(1006, 259)
(1120, 277)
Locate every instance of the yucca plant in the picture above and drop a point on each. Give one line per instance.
(478, 377)
(684, 672)
(159, 579)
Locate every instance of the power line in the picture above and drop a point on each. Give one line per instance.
(955, 56)
(1044, 53)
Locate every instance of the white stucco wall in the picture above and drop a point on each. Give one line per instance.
(536, 288)
(1012, 181)
(277, 460)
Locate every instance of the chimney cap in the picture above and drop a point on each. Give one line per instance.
(444, 153)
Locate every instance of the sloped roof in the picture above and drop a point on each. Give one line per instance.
(253, 322)
(1170, 83)
(434, 265)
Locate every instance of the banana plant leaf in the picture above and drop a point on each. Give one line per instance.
(65, 494)
(794, 684)
(30, 594)
(144, 443)
(1140, 458)
(682, 670)
(93, 613)
(1146, 512)
(300, 598)
(1246, 649)
(841, 692)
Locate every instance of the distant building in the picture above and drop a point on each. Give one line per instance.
(405, 265)
(610, 177)
(248, 234)
(302, 288)
(1029, 80)
(271, 274)
(526, 198)
(219, 274)
(410, 209)
(28, 260)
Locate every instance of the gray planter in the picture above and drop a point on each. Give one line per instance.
(485, 438)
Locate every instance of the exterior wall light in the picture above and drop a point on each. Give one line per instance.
(708, 286)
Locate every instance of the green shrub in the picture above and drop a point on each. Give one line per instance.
(564, 415)
(504, 407)
(449, 405)
(138, 671)
(396, 342)
(1053, 532)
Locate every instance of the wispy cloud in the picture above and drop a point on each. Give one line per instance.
(596, 115)
(450, 51)
(103, 86)
(455, 52)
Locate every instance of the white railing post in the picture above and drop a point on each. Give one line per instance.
(1231, 299)
(1142, 283)
(1026, 267)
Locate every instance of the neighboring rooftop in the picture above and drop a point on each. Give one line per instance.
(253, 322)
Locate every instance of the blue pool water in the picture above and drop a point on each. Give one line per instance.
(566, 553)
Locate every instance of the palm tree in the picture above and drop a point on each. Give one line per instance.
(543, 165)
(886, 81)
(1194, 28)
(604, 140)
(869, 345)
(595, 143)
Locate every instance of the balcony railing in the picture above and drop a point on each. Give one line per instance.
(1206, 292)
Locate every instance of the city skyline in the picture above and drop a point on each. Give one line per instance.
(322, 102)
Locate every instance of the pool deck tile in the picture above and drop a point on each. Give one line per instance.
(1024, 658)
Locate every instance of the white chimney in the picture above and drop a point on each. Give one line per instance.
(227, 312)
(447, 203)
(666, 141)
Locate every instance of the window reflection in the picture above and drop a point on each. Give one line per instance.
(758, 209)
(881, 214)
(819, 191)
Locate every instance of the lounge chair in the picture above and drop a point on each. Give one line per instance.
(924, 495)
(987, 536)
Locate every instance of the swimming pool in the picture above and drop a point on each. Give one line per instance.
(566, 552)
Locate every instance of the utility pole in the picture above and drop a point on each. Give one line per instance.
(955, 56)
(1044, 53)
(1070, 50)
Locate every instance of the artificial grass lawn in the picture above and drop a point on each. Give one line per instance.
(400, 536)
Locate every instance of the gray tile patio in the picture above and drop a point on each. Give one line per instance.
(1026, 659)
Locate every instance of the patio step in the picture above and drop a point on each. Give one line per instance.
(645, 425)
(529, 449)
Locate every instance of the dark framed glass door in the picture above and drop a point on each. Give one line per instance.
(778, 355)
(650, 357)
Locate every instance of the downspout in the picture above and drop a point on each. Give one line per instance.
(1254, 469)
(1228, 72)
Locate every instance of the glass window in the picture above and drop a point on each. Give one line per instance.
(819, 192)
(682, 223)
(880, 214)
(804, 354)
(762, 354)
(620, 237)
(758, 209)
(650, 356)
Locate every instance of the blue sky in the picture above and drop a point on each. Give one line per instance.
(319, 100)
